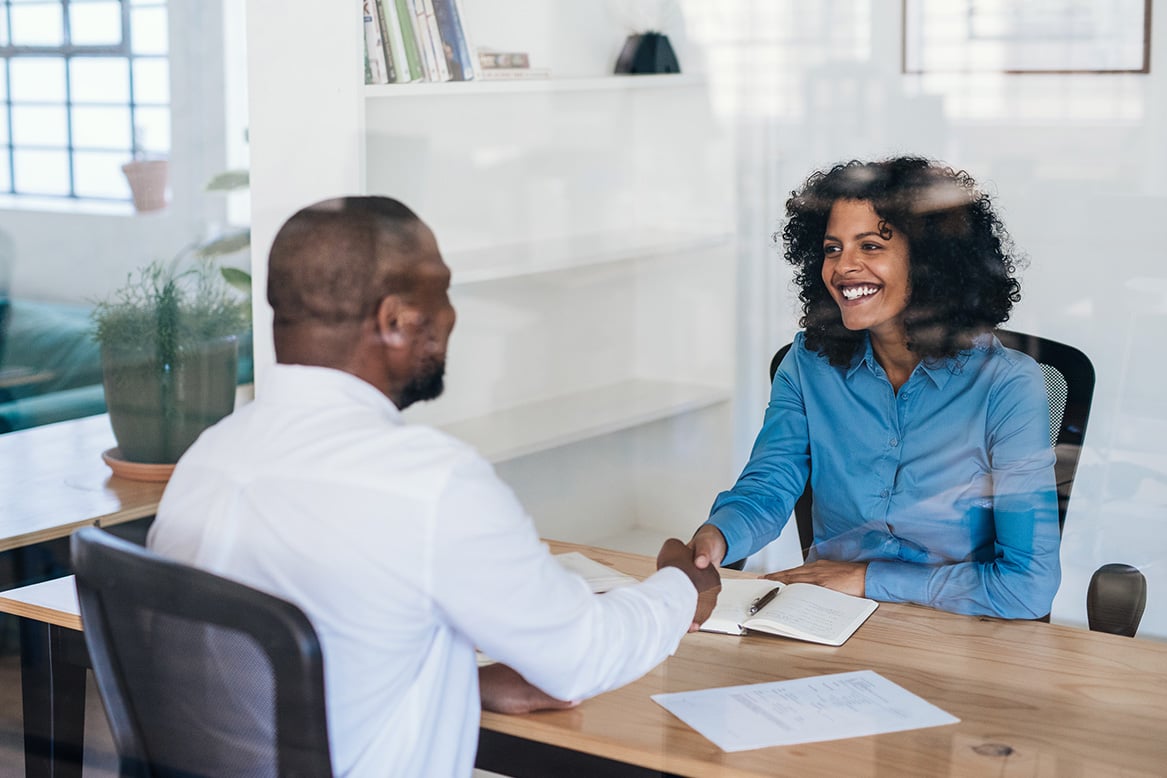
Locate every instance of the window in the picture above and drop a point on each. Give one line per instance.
(84, 87)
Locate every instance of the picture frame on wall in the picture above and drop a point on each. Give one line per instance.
(1036, 36)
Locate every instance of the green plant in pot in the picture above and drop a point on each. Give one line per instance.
(169, 351)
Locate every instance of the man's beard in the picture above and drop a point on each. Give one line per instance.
(426, 385)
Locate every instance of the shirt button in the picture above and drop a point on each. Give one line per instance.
(894, 442)
(884, 494)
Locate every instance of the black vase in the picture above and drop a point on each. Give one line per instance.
(648, 52)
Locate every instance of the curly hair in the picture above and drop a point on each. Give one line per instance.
(961, 258)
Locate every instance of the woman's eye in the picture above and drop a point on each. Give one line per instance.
(828, 250)
(871, 246)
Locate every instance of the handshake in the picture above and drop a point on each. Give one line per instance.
(698, 566)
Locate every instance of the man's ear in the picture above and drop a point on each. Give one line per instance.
(396, 321)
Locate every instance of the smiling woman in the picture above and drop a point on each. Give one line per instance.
(924, 439)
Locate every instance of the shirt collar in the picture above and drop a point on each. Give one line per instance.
(938, 371)
(311, 386)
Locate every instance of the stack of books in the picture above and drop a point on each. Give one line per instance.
(426, 40)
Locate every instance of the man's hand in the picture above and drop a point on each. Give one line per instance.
(708, 546)
(706, 580)
(845, 577)
(505, 691)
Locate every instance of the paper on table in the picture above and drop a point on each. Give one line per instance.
(599, 576)
(806, 710)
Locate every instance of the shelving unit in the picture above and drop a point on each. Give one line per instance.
(586, 219)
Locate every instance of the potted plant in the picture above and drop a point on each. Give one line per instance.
(169, 350)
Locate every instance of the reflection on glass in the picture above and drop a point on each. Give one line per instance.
(99, 80)
(41, 172)
(37, 25)
(96, 23)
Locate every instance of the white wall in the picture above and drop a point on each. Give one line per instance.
(73, 254)
(1079, 166)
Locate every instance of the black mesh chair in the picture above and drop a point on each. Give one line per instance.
(1115, 599)
(199, 675)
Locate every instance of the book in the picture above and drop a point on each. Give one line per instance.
(374, 46)
(434, 40)
(513, 74)
(599, 576)
(503, 59)
(403, 13)
(800, 611)
(453, 37)
(394, 44)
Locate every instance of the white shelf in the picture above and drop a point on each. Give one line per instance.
(534, 85)
(474, 266)
(526, 429)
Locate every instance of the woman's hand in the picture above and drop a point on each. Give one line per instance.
(845, 577)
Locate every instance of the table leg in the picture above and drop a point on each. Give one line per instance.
(52, 676)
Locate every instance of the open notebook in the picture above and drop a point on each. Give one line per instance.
(801, 611)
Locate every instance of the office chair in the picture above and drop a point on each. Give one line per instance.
(199, 675)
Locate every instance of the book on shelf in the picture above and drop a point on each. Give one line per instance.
(503, 59)
(394, 43)
(455, 46)
(434, 39)
(374, 46)
(513, 74)
(403, 13)
(800, 611)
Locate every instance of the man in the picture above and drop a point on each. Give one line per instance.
(400, 543)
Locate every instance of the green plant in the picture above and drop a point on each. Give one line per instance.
(232, 241)
(167, 305)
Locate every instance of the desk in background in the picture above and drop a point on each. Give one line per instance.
(53, 481)
(1034, 699)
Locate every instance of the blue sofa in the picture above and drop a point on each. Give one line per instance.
(54, 339)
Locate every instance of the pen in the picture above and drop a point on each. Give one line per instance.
(764, 600)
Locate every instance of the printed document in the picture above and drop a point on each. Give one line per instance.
(806, 710)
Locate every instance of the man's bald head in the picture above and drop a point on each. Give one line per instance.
(332, 262)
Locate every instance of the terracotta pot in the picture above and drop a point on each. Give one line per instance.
(149, 181)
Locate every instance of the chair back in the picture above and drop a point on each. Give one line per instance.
(199, 675)
(1069, 385)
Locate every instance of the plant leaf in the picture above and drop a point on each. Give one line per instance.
(240, 279)
(227, 243)
(229, 181)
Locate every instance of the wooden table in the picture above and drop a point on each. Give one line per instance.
(1034, 699)
(52, 481)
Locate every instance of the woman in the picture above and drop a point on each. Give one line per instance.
(926, 441)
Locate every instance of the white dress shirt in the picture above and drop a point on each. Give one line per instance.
(406, 551)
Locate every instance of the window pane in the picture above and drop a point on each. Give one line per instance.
(100, 80)
(3, 29)
(3, 129)
(3, 79)
(152, 125)
(102, 128)
(95, 24)
(41, 172)
(149, 34)
(99, 174)
(37, 25)
(39, 125)
(5, 174)
(38, 79)
(151, 81)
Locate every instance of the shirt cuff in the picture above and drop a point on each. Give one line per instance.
(732, 527)
(898, 582)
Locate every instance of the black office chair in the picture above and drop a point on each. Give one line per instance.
(199, 675)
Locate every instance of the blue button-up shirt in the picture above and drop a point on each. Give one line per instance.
(945, 488)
